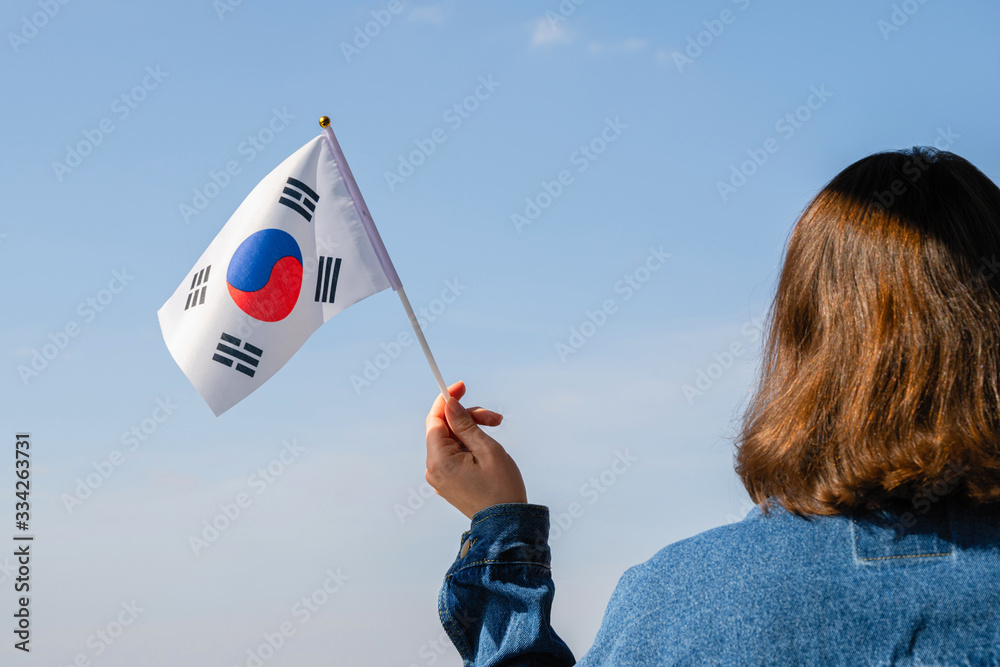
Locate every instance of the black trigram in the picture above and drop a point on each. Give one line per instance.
(253, 358)
(326, 280)
(297, 195)
(197, 296)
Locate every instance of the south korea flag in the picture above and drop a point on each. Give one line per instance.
(295, 253)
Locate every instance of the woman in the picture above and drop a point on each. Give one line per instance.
(871, 445)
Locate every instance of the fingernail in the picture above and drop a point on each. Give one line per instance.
(454, 407)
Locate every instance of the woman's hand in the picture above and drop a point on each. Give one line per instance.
(465, 466)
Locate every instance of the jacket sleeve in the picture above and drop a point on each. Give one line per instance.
(496, 600)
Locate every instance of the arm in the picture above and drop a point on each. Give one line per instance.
(497, 596)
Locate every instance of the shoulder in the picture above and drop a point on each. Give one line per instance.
(716, 589)
(710, 598)
(754, 534)
(750, 558)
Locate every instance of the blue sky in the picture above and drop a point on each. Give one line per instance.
(774, 101)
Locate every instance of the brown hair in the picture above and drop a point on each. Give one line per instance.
(880, 375)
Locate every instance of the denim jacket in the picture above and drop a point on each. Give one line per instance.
(917, 588)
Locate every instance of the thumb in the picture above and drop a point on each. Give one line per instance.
(464, 426)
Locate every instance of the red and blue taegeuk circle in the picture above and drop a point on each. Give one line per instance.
(265, 275)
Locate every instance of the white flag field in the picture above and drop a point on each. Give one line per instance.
(298, 250)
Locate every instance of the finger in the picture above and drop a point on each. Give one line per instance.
(440, 438)
(485, 417)
(437, 407)
(465, 428)
(440, 443)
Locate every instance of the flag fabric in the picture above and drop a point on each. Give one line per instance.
(296, 252)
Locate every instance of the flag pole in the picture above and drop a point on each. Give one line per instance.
(379, 246)
(423, 342)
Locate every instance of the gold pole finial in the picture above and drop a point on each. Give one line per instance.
(324, 122)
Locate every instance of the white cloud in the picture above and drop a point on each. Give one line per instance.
(629, 44)
(548, 32)
(428, 14)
